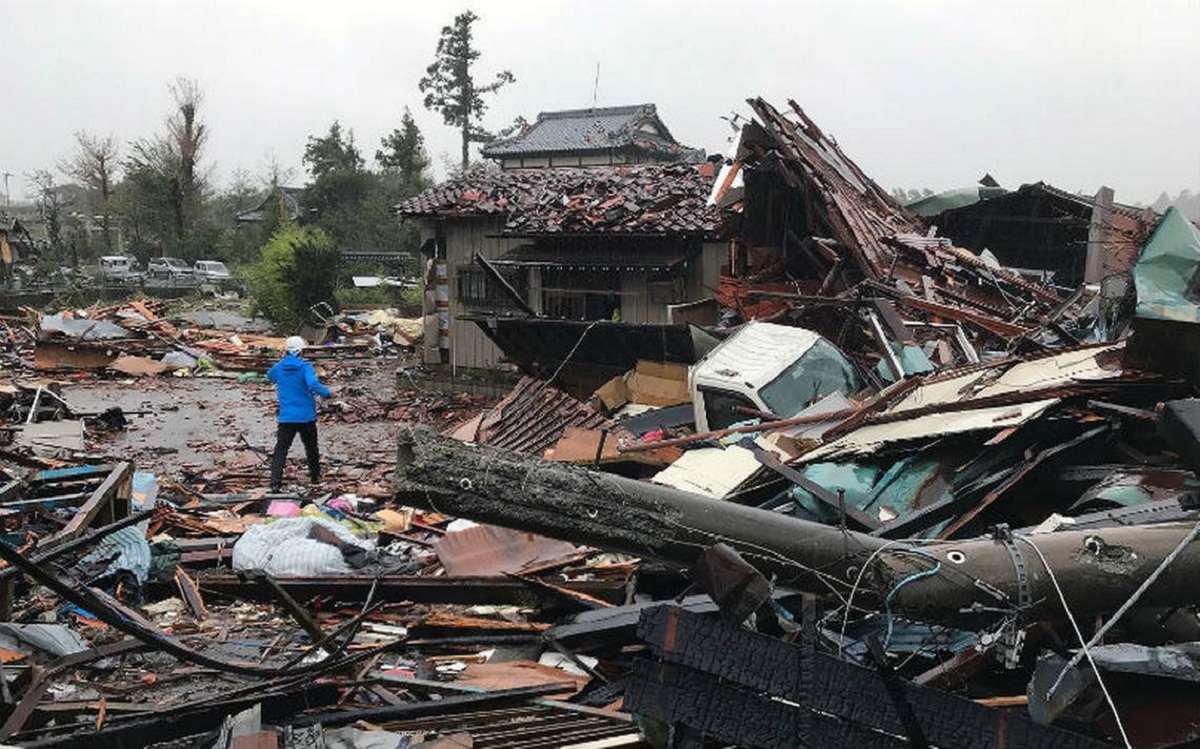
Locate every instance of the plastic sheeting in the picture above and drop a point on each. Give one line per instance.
(55, 639)
(82, 328)
(129, 551)
(1167, 274)
(283, 549)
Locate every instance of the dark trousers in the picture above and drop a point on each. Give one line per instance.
(283, 442)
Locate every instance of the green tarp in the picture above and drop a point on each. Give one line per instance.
(1167, 273)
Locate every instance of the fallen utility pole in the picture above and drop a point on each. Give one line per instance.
(965, 581)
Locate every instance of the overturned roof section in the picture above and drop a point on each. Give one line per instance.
(633, 129)
(642, 199)
(847, 205)
(282, 201)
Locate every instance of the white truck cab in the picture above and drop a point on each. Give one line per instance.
(776, 369)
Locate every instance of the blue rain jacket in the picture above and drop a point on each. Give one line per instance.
(295, 384)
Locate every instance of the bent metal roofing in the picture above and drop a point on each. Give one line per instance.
(641, 199)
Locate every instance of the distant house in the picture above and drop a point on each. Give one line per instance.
(281, 202)
(591, 137)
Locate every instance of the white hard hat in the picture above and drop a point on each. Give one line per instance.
(294, 344)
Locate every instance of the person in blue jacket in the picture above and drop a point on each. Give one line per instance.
(296, 386)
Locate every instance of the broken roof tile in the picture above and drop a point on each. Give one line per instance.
(638, 199)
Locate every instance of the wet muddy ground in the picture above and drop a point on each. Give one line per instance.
(198, 421)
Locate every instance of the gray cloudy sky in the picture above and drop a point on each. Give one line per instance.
(922, 93)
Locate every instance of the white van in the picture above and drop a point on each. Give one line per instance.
(211, 271)
(776, 369)
(117, 268)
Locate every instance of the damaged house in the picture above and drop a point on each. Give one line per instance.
(1068, 238)
(595, 215)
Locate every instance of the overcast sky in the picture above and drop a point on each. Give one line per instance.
(921, 93)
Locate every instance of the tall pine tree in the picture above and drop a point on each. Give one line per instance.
(450, 87)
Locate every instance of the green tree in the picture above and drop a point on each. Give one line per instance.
(403, 156)
(340, 183)
(238, 245)
(450, 87)
(141, 200)
(297, 268)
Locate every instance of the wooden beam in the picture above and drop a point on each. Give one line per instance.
(103, 503)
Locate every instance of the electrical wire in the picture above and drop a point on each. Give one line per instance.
(887, 602)
(854, 590)
(1078, 633)
(570, 353)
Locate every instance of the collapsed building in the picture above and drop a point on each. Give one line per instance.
(981, 539)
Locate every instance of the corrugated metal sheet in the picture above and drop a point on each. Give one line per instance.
(870, 438)
(534, 416)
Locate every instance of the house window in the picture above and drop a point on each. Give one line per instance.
(477, 287)
(581, 295)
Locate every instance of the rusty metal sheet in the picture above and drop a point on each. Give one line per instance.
(492, 550)
(514, 674)
(533, 416)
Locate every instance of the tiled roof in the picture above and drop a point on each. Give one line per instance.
(658, 199)
(589, 130)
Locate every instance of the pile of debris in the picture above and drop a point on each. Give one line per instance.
(140, 338)
(141, 612)
(905, 496)
(956, 502)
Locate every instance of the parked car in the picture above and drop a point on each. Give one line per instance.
(118, 269)
(211, 271)
(170, 267)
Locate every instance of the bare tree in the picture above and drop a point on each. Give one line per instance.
(95, 165)
(189, 135)
(51, 203)
(174, 157)
(274, 173)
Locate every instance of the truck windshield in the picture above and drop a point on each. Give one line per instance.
(821, 371)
